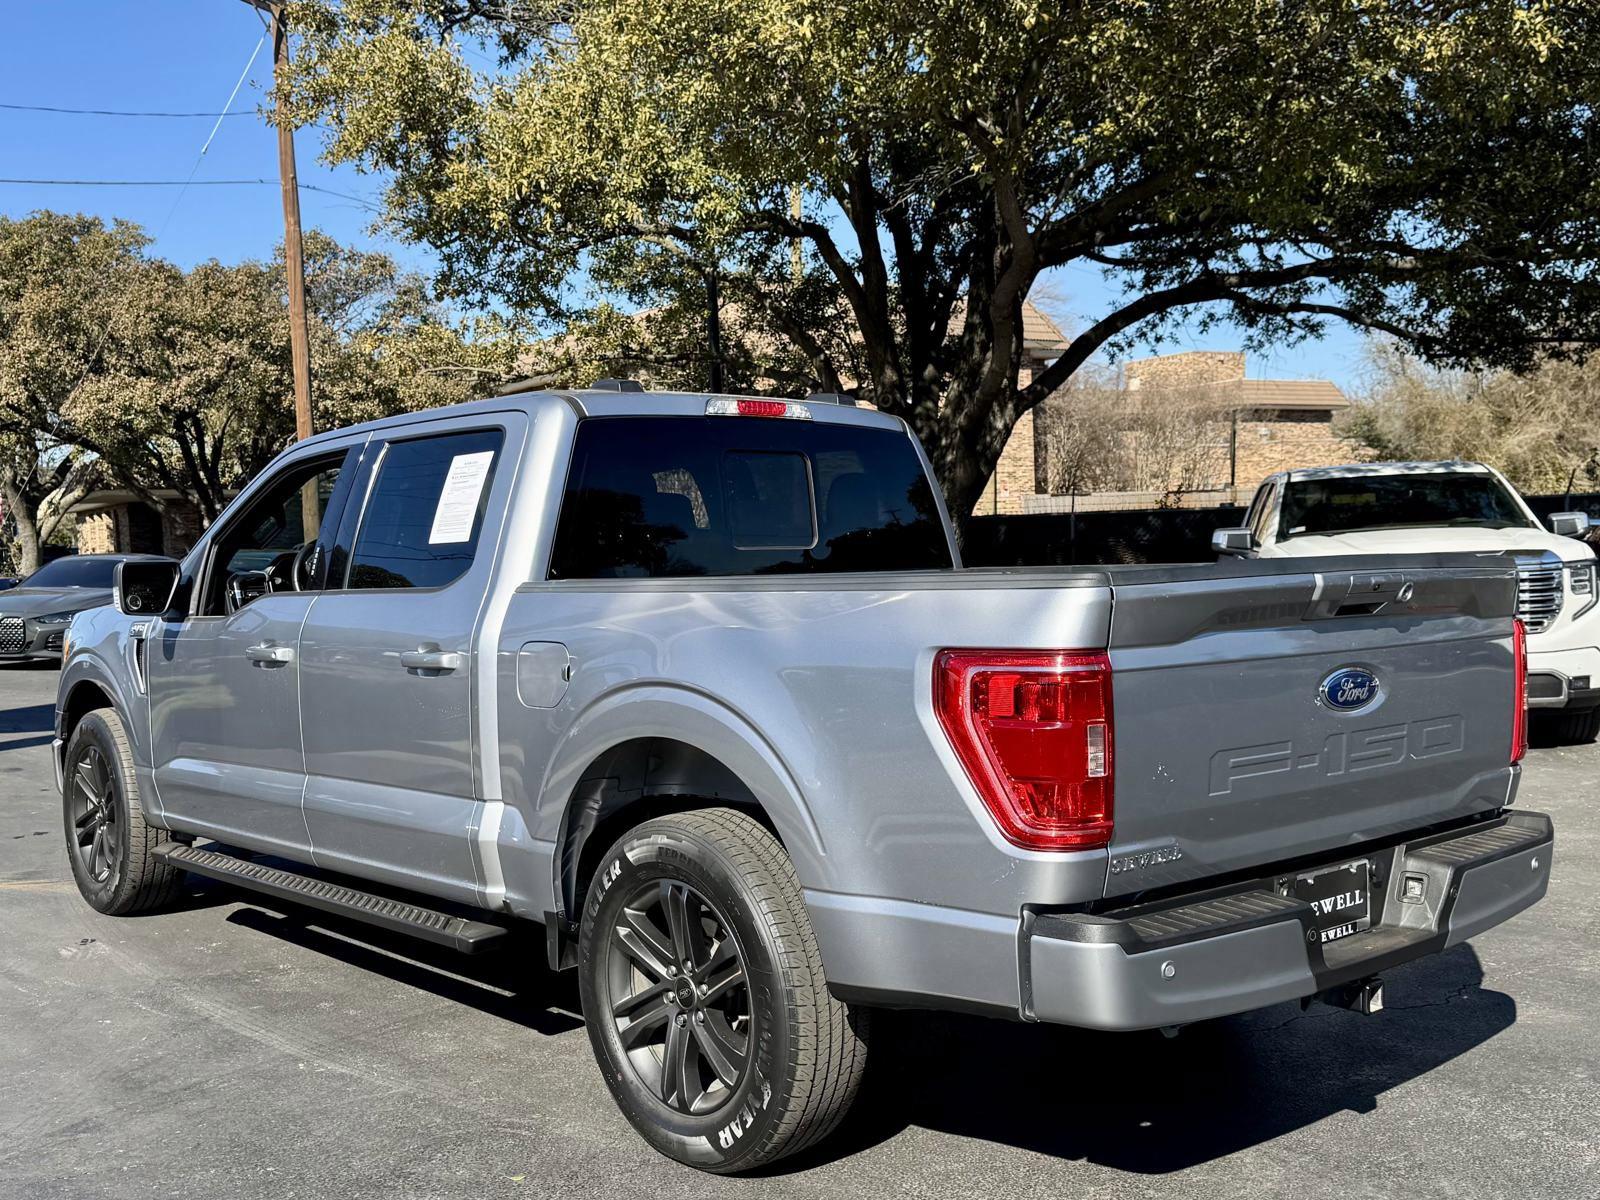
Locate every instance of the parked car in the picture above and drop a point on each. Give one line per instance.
(7, 582)
(1406, 508)
(700, 685)
(35, 613)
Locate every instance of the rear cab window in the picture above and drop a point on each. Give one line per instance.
(675, 497)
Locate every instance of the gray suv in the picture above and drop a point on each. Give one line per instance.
(699, 686)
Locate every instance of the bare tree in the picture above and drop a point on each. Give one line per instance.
(1542, 429)
(1104, 436)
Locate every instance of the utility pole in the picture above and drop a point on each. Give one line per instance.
(294, 260)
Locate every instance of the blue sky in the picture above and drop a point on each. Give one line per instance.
(185, 55)
(169, 56)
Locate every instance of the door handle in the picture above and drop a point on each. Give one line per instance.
(270, 656)
(432, 660)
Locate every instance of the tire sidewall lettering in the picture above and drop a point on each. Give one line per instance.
(93, 732)
(733, 1127)
(754, 1105)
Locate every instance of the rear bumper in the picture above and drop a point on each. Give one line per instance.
(1196, 957)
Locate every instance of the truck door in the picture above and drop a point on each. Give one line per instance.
(224, 681)
(387, 661)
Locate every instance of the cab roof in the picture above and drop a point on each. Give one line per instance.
(1367, 469)
(598, 402)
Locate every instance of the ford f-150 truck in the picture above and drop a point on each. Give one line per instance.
(700, 685)
(1408, 508)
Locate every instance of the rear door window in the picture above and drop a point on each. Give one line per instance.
(425, 510)
(690, 496)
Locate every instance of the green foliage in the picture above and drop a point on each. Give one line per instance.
(64, 283)
(1426, 170)
(121, 369)
(206, 397)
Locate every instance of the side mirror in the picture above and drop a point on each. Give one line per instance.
(1569, 524)
(1236, 542)
(146, 587)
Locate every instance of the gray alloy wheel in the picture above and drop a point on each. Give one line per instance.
(109, 844)
(680, 1001)
(92, 813)
(705, 997)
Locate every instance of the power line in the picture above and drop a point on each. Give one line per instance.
(305, 187)
(183, 189)
(119, 112)
(136, 182)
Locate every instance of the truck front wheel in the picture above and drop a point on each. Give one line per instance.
(108, 842)
(704, 994)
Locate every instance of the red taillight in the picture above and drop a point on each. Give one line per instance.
(731, 406)
(1519, 694)
(1033, 730)
(762, 408)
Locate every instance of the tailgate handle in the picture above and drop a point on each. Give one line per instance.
(1358, 593)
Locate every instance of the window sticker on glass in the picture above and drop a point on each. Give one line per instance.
(457, 509)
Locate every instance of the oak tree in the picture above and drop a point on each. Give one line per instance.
(909, 169)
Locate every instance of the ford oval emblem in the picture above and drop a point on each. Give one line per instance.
(1350, 689)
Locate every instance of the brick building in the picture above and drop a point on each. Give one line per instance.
(1019, 471)
(1258, 426)
(116, 521)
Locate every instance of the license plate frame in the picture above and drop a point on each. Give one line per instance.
(1340, 897)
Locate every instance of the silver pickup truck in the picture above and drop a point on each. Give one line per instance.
(700, 685)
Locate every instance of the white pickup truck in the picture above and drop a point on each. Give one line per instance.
(1437, 507)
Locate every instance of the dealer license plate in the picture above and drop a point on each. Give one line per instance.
(1339, 899)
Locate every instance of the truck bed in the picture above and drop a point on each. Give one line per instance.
(1212, 663)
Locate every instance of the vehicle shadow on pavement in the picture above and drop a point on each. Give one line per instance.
(510, 983)
(32, 718)
(37, 719)
(1152, 1105)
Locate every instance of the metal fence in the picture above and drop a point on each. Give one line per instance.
(1163, 535)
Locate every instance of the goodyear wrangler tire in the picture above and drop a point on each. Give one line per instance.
(704, 995)
(108, 843)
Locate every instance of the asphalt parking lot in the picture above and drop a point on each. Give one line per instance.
(226, 1050)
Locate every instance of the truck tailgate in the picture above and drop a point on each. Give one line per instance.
(1238, 743)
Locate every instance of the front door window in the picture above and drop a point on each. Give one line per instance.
(271, 546)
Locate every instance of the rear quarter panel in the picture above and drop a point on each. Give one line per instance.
(818, 694)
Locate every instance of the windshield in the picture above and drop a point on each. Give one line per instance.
(74, 573)
(1344, 505)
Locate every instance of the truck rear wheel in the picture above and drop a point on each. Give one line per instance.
(704, 994)
(1579, 727)
(108, 842)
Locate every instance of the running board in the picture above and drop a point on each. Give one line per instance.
(469, 937)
